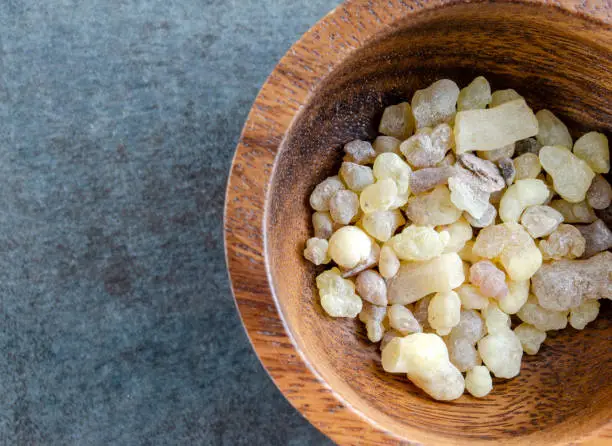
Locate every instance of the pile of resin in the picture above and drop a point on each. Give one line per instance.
(467, 209)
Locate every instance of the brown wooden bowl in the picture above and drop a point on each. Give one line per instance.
(330, 88)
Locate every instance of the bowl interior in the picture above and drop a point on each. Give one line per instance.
(557, 61)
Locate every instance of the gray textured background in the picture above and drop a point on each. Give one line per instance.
(118, 121)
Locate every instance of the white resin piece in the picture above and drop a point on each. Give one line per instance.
(492, 128)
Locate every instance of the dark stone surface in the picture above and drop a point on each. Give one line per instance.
(118, 121)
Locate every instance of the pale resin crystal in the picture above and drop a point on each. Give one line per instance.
(471, 297)
(443, 383)
(520, 195)
(323, 225)
(371, 287)
(316, 251)
(462, 354)
(322, 193)
(565, 242)
(552, 131)
(541, 221)
(518, 292)
(493, 128)
(444, 312)
(583, 314)
(432, 208)
(419, 243)
(338, 297)
(460, 232)
(415, 280)
(593, 148)
(355, 176)
(343, 206)
(382, 224)
(384, 144)
(571, 175)
(531, 338)
(502, 353)
(380, 196)
(435, 104)
(476, 95)
(541, 318)
(489, 279)
(478, 381)
(564, 284)
(359, 152)
(389, 264)
(496, 320)
(426, 149)
(397, 121)
(527, 166)
(414, 352)
(348, 246)
(372, 316)
(402, 320)
(391, 166)
(471, 327)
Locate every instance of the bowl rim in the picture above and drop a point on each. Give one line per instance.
(322, 49)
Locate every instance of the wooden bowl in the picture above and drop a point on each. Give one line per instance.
(330, 88)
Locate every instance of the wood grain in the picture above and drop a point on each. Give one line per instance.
(330, 88)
